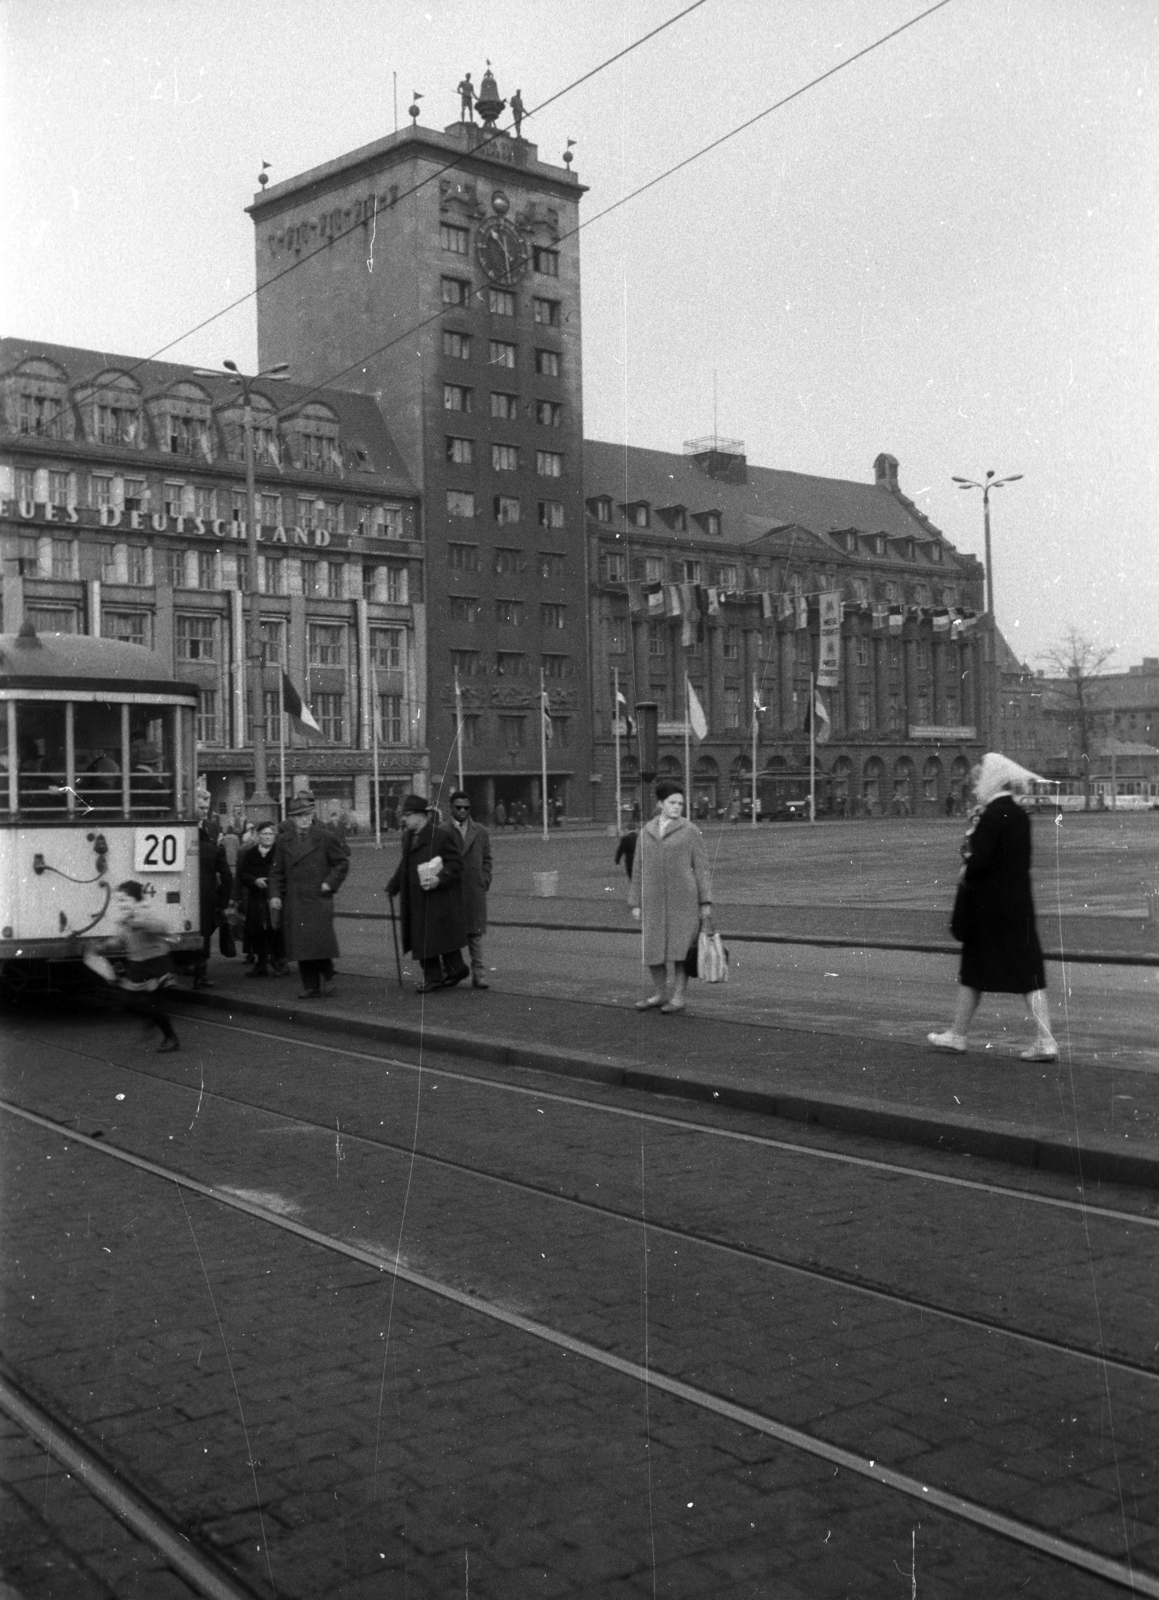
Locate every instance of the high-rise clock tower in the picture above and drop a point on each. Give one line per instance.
(440, 273)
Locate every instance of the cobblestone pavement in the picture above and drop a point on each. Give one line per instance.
(317, 1422)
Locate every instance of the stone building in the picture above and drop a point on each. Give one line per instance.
(705, 566)
(439, 273)
(123, 513)
(1121, 761)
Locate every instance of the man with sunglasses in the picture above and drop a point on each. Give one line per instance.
(476, 881)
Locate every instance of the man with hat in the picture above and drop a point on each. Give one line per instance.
(428, 882)
(309, 865)
(476, 881)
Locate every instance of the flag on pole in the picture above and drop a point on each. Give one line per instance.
(545, 709)
(696, 718)
(296, 707)
(629, 725)
(823, 725)
(757, 707)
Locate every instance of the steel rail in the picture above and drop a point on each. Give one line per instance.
(954, 1505)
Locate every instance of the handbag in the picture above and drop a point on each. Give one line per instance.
(711, 958)
(225, 938)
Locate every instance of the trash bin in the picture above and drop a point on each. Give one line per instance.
(545, 884)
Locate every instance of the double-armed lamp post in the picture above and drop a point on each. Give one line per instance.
(261, 806)
(991, 481)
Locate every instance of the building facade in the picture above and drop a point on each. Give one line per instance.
(745, 581)
(439, 273)
(123, 513)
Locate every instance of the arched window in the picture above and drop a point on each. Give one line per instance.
(110, 409)
(36, 401)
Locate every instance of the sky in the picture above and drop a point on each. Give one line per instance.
(947, 250)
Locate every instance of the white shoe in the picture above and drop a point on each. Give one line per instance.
(948, 1041)
(1041, 1050)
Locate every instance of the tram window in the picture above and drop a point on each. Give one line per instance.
(152, 754)
(98, 755)
(40, 756)
(5, 763)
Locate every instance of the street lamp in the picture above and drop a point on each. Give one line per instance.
(261, 805)
(990, 482)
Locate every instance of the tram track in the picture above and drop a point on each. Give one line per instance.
(957, 1506)
(860, 1284)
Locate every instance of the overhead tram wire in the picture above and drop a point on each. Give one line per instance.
(407, 193)
(858, 55)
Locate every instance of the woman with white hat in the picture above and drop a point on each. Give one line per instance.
(994, 910)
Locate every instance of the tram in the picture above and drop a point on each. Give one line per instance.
(97, 784)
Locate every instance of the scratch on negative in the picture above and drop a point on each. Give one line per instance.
(373, 231)
(200, 1097)
(339, 1153)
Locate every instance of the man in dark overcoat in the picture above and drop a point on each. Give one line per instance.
(434, 926)
(214, 882)
(476, 881)
(309, 866)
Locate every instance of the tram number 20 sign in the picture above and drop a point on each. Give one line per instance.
(159, 850)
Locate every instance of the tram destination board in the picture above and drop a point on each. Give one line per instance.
(159, 850)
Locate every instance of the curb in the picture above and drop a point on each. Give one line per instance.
(930, 947)
(1095, 1161)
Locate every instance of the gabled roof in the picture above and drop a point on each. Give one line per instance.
(361, 425)
(767, 500)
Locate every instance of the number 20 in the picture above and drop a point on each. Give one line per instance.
(160, 850)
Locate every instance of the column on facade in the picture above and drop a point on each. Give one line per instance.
(849, 675)
(786, 647)
(937, 692)
(715, 684)
(909, 683)
(974, 679)
(639, 689)
(880, 688)
(489, 798)
(752, 667)
(600, 616)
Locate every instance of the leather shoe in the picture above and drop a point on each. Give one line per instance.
(168, 1045)
(453, 978)
(479, 983)
(426, 988)
(309, 994)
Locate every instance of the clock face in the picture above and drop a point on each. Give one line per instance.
(501, 251)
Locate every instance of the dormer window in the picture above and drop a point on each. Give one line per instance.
(709, 521)
(110, 409)
(638, 514)
(311, 437)
(181, 418)
(231, 417)
(936, 553)
(676, 517)
(37, 403)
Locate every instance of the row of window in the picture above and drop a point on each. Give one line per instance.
(509, 664)
(465, 558)
(638, 514)
(614, 568)
(507, 509)
(660, 637)
(513, 730)
(504, 406)
(504, 457)
(106, 491)
(544, 260)
(500, 352)
(330, 712)
(468, 608)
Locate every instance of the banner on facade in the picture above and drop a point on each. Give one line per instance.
(829, 664)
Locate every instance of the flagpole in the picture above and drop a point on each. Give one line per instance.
(374, 710)
(754, 774)
(812, 747)
(687, 747)
(282, 741)
(543, 750)
(616, 726)
(459, 724)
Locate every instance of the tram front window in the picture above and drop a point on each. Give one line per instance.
(41, 767)
(99, 756)
(152, 755)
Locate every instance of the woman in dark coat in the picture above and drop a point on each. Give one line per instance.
(309, 866)
(994, 911)
(254, 867)
(434, 922)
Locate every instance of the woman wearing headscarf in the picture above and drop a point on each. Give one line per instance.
(429, 883)
(670, 894)
(994, 910)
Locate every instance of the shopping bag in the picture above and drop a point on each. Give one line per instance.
(711, 959)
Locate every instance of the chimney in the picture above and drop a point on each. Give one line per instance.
(885, 473)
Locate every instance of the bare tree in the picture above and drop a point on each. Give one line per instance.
(1076, 666)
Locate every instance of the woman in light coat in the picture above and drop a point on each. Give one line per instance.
(994, 911)
(670, 895)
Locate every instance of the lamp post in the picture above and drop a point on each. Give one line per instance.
(261, 805)
(991, 481)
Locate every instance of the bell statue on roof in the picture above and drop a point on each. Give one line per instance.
(488, 104)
